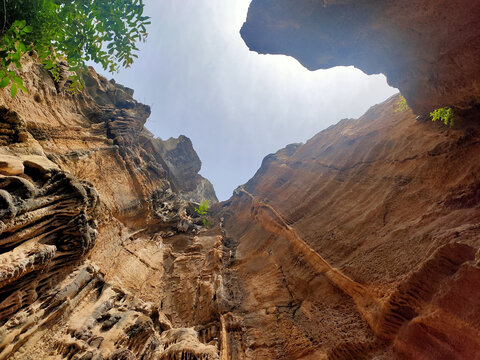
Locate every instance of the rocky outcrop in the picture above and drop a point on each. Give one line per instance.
(360, 244)
(47, 219)
(427, 49)
(47, 227)
(85, 318)
(92, 209)
(184, 164)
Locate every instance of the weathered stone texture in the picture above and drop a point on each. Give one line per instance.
(360, 244)
(81, 179)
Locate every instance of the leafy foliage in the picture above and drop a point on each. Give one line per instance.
(445, 115)
(75, 31)
(202, 211)
(202, 208)
(402, 105)
(12, 47)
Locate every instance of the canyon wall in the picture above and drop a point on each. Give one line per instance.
(427, 49)
(101, 256)
(362, 243)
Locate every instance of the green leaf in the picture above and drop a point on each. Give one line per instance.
(20, 47)
(18, 80)
(16, 56)
(4, 82)
(13, 90)
(23, 88)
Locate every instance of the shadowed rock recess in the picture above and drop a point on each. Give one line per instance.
(429, 49)
(362, 243)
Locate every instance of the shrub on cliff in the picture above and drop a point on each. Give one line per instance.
(445, 115)
(402, 105)
(202, 211)
(75, 31)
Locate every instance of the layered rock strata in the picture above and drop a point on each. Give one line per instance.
(97, 223)
(360, 244)
(427, 49)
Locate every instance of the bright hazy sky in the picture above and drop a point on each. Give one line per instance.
(235, 105)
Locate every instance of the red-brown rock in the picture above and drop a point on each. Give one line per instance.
(427, 49)
(359, 244)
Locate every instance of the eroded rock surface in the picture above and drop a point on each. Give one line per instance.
(360, 244)
(98, 232)
(427, 49)
(48, 225)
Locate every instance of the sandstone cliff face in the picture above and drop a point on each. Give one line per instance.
(427, 49)
(97, 224)
(360, 244)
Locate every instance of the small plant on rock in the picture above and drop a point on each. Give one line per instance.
(445, 115)
(202, 211)
(402, 105)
